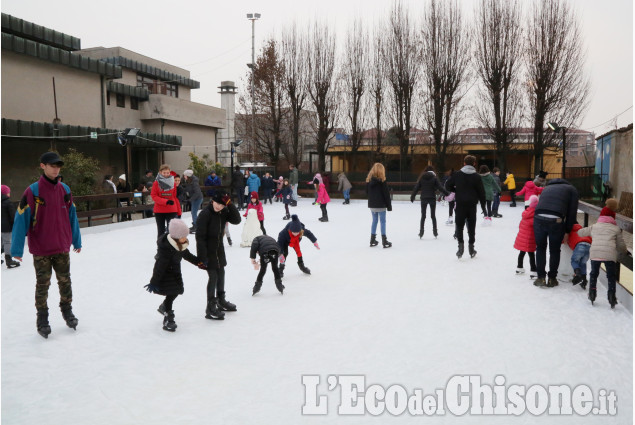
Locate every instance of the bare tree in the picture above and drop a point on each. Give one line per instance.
(446, 59)
(557, 88)
(321, 85)
(294, 62)
(355, 69)
(498, 55)
(377, 86)
(402, 55)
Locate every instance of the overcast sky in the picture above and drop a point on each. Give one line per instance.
(212, 39)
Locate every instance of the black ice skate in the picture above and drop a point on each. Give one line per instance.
(592, 293)
(583, 282)
(384, 242)
(280, 286)
(229, 241)
(256, 289)
(373, 240)
(472, 251)
(161, 309)
(612, 299)
(420, 233)
(577, 277)
(213, 311)
(69, 317)
(224, 304)
(304, 268)
(461, 249)
(11, 263)
(42, 323)
(168, 321)
(286, 217)
(435, 233)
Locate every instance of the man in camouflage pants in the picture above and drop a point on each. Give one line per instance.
(47, 215)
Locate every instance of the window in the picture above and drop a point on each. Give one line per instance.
(108, 97)
(147, 82)
(172, 89)
(134, 103)
(121, 100)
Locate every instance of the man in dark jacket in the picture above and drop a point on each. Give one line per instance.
(212, 180)
(267, 188)
(428, 184)
(468, 187)
(238, 184)
(8, 214)
(555, 215)
(210, 228)
(193, 194)
(269, 250)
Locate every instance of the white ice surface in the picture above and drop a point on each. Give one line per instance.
(412, 314)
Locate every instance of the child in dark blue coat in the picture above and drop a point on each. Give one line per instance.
(268, 249)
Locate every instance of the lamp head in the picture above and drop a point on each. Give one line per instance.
(553, 126)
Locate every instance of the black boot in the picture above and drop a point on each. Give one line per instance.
(229, 241)
(168, 321)
(42, 323)
(281, 269)
(224, 304)
(420, 232)
(434, 232)
(593, 289)
(279, 285)
(213, 311)
(384, 242)
(459, 253)
(577, 277)
(612, 298)
(286, 217)
(161, 309)
(373, 240)
(303, 267)
(257, 287)
(69, 317)
(583, 282)
(472, 251)
(10, 262)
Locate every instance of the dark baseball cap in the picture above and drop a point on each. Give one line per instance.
(51, 158)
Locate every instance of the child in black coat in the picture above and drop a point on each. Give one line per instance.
(166, 276)
(291, 236)
(269, 251)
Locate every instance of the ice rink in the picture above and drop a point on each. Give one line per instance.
(412, 315)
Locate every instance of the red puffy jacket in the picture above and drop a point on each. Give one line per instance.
(574, 239)
(525, 240)
(161, 198)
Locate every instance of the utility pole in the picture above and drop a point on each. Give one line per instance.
(253, 17)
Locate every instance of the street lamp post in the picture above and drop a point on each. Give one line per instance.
(555, 127)
(253, 17)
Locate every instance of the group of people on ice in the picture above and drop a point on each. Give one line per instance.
(47, 215)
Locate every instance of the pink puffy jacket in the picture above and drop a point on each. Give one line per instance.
(323, 196)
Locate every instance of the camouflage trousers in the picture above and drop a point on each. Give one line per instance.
(44, 265)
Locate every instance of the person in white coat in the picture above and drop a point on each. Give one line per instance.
(251, 230)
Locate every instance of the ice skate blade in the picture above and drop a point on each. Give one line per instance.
(165, 328)
(214, 318)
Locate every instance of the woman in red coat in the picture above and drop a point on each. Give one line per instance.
(525, 240)
(166, 203)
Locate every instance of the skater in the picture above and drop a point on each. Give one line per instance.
(323, 199)
(291, 236)
(194, 195)
(607, 243)
(317, 179)
(8, 216)
(212, 180)
(293, 182)
(581, 247)
(253, 182)
(257, 205)
(378, 202)
(268, 249)
(428, 184)
(287, 197)
(533, 188)
(489, 185)
(166, 202)
(238, 184)
(251, 230)
(279, 182)
(167, 279)
(345, 186)
(556, 213)
(497, 194)
(180, 192)
(510, 182)
(469, 191)
(267, 188)
(47, 215)
(525, 240)
(211, 251)
(124, 187)
(451, 199)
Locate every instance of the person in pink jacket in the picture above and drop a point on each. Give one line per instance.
(279, 182)
(256, 205)
(323, 199)
(533, 188)
(525, 240)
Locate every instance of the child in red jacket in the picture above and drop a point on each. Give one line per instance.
(257, 205)
(322, 200)
(525, 240)
(581, 247)
(166, 202)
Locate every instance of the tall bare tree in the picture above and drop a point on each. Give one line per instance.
(295, 78)
(498, 58)
(446, 60)
(321, 85)
(557, 87)
(377, 86)
(402, 54)
(355, 69)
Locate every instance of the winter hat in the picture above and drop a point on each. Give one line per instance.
(533, 201)
(173, 173)
(295, 226)
(178, 229)
(218, 196)
(254, 195)
(5, 189)
(542, 174)
(188, 173)
(122, 177)
(607, 211)
(611, 204)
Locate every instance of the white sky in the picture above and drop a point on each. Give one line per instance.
(213, 39)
